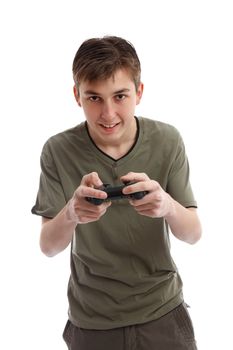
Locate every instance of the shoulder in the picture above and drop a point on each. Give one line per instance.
(155, 128)
(69, 134)
(65, 139)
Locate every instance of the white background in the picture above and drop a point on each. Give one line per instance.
(186, 53)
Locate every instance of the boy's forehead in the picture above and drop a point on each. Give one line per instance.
(120, 77)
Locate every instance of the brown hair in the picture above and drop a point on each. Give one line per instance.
(100, 58)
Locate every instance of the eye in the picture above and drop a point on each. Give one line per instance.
(120, 97)
(94, 98)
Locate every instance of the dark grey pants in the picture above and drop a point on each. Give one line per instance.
(174, 331)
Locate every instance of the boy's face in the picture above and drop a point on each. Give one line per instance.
(109, 107)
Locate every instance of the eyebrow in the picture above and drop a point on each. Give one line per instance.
(92, 92)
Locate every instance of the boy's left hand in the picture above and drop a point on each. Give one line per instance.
(157, 203)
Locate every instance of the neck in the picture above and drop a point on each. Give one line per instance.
(117, 152)
(119, 148)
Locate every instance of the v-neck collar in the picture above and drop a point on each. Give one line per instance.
(101, 154)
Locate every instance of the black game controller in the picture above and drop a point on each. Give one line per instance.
(116, 193)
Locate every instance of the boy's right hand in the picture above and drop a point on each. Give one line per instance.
(79, 209)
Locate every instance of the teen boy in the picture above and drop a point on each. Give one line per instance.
(125, 291)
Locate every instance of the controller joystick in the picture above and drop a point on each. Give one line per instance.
(116, 193)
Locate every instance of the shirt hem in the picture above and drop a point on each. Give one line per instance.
(165, 309)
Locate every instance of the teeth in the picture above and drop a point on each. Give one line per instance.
(109, 125)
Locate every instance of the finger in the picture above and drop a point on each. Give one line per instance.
(141, 186)
(148, 202)
(85, 192)
(93, 212)
(140, 204)
(87, 217)
(97, 209)
(91, 180)
(134, 177)
(150, 210)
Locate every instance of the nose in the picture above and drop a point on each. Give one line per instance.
(108, 110)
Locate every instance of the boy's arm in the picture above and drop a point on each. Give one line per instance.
(183, 222)
(57, 233)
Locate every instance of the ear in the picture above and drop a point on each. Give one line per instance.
(76, 95)
(139, 93)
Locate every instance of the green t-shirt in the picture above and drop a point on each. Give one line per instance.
(122, 272)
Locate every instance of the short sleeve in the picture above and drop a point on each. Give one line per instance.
(50, 197)
(179, 186)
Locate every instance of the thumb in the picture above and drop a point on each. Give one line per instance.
(91, 180)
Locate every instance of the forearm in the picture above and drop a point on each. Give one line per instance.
(184, 223)
(56, 233)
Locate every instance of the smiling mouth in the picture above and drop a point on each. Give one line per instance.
(109, 126)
